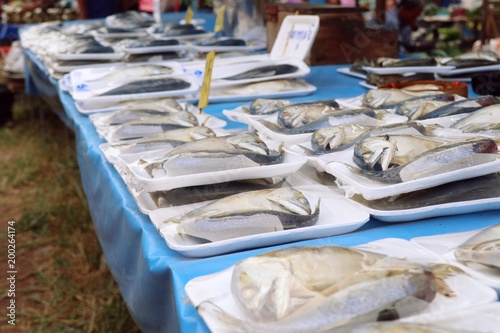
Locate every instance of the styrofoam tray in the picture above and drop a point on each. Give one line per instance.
(140, 180)
(81, 97)
(413, 69)
(347, 71)
(477, 69)
(445, 245)
(337, 216)
(216, 288)
(353, 183)
(219, 73)
(90, 106)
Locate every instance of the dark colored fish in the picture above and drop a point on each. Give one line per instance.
(462, 106)
(169, 42)
(224, 42)
(183, 32)
(407, 62)
(264, 71)
(483, 187)
(378, 80)
(468, 63)
(148, 86)
(193, 194)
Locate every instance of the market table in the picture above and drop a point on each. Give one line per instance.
(151, 276)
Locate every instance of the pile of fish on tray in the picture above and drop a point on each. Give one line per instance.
(459, 68)
(388, 285)
(129, 37)
(390, 143)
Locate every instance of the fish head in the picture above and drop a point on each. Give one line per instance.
(201, 132)
(267, 106)
(377, 152)
(249, 141)
(329, 137)
(262, 285)
(290, 200)
(185, 119)
(293, 116)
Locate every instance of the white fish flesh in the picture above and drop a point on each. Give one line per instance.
(248, 213)
(215, 154)
(397, 158)
(483, 248)
(333, 286)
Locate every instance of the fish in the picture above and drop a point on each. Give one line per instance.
(379, 79)
(477, 188)
(247, 213)
(147, 86)
(337, 138)
(399, 158)
(215, 154)
(397, 327)
(149, 126)
(407, 62)
(163, 140)
(192, 194)
(299, 114)
(340, 117)
(484, 118)
(417, 107)
(264, 71)
(462, 106)
(224, 42)
(130, 114)
(265, 106)
(483, 248)
(317, 288)
(389, 97)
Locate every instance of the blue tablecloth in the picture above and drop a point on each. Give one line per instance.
(152, 277)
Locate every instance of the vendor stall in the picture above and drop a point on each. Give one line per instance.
(151, 276)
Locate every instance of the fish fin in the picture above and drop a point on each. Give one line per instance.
(441, 273)
(309, 152)
(214, 310)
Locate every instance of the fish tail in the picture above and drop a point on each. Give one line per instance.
(441, 273)
(237, 325)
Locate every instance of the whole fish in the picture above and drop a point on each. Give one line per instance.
(248, 213)
(340, 117)
(264, 106)
(147, 86)
(336, 138)
(419, 106)
(153, 125)
(486, 118)
(254, 88)
(126, 72)
(299, 114)
(224, 42)
(477, 188)
(215, 154)
(334, 286)
(192, 194)
(462, 106)
(482, 248)
(164, 140)
(128, 115)
(397, 327)
(389, 97)
(397, 158)
(264, 71)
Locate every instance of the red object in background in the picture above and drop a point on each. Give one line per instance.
(146, 6)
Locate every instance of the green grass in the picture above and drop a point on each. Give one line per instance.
(62, 284)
